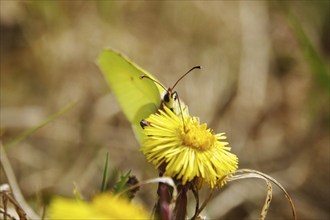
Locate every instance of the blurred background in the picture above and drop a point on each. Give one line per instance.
(264, 81)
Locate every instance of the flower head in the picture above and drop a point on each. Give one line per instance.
(186, 148)
(103, 206)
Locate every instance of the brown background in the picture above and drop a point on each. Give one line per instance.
(258, 84)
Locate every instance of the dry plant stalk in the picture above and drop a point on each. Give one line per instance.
(248, 173)
(23, 210)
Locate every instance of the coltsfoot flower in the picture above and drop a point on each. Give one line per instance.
(187, 149)
(103, 206)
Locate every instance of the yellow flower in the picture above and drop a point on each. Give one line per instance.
(103, 206)
(187, 148)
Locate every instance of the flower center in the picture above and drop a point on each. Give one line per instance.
(197, 136)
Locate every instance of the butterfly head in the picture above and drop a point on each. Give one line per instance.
(170, 99)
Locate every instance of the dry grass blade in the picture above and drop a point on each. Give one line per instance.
(269, 196)
(6, 215)
(25, 134)
(7, 196)
(247, 173)
(19, 200)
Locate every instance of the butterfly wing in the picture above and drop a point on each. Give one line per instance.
(137, 98)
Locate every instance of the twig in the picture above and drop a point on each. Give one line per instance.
(14, 185)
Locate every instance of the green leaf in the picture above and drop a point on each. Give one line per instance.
(122, 183)
(105, 174)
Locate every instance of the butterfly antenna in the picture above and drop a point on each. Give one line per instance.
(195, 67)
(148, 77)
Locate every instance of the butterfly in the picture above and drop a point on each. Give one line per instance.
(138, 92)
